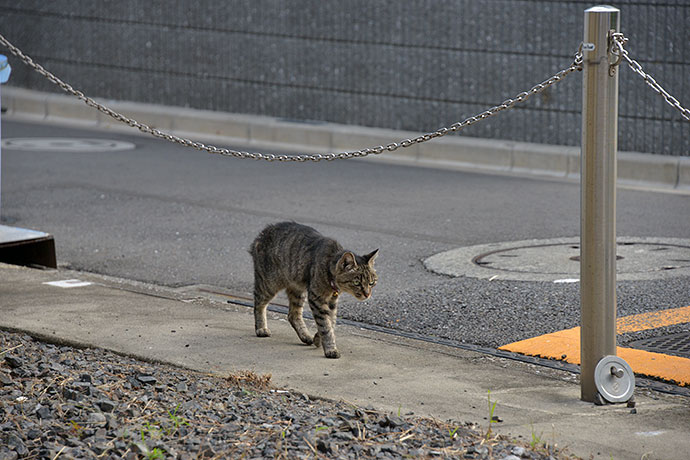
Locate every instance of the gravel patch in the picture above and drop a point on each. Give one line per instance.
(62, 402)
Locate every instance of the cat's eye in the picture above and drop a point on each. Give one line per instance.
(372, 283)
(356, 283)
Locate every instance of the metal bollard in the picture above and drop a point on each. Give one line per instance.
(598, 196)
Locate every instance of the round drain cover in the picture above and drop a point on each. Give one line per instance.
(65, 144)
(558, 260)
(614, 379)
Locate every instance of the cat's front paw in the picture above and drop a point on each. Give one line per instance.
(317, 340)
(333, 354)
(263, 332)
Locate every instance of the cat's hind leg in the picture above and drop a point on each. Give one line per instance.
(262, 296)
(297, 298)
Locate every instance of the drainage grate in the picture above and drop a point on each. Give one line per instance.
(674, 344)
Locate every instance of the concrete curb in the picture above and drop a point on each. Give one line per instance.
(261, 132)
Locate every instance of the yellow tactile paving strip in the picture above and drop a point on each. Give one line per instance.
(565, 345)
(652, 320)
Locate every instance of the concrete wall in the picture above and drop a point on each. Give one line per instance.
(398, 64)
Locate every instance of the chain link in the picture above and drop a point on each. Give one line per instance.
(620, 52)
(455, 127)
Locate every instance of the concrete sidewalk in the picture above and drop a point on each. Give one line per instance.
(186, 328)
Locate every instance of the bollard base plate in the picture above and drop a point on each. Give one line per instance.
(614, 379)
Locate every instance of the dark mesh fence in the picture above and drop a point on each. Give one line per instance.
(402, 64)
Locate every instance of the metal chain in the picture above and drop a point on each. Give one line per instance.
(507, 104)
(619, 51)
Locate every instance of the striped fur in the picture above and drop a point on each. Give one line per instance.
(311, 268)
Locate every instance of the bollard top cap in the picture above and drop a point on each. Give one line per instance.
(602, 9)
(5, 69)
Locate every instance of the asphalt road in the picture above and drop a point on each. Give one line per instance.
(170, 215)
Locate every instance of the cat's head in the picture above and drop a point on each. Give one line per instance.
(356, 275)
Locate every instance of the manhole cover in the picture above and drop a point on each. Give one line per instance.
(557, 260)
(673, 344)
(65, 144)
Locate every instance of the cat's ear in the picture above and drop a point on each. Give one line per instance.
(347, 262)
(371, 257)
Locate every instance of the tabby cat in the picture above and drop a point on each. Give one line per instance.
(309, 267)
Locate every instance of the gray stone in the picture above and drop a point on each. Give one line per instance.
(111, 422)
(105, 405)
(6, 454)
(518, 451)
(15, 443)
(146, 379)
(44, 412)
(69, 393)
(5, 379)
(96, 418)
(325, 446)
(13, 361)
(343, 436)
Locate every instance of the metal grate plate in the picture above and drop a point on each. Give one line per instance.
(673, 344)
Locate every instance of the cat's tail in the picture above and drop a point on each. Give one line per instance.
(252, 248)
(255, 247)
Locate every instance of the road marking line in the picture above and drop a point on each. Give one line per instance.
(68, 283)
(567, 280)
(650, 433)
(565, 345)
